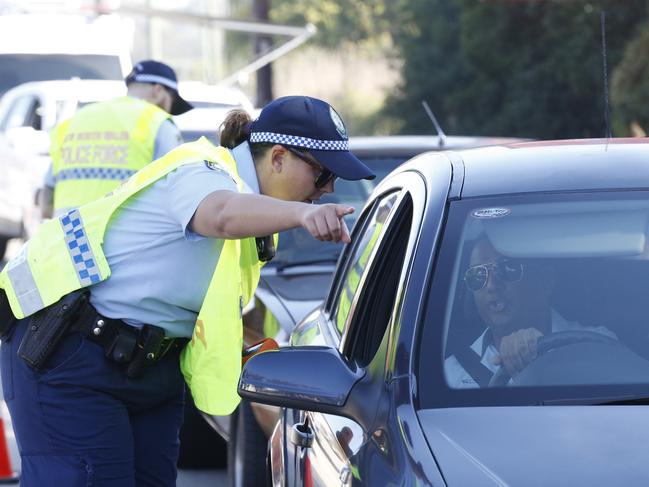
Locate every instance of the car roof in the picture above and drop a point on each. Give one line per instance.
(92, 89)
(559, 165)
(81, 89)
(409, 145)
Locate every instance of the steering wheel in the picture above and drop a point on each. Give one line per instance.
(549, 342)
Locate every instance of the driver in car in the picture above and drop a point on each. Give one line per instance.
(513, 300)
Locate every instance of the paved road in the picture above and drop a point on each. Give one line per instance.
(202, 478)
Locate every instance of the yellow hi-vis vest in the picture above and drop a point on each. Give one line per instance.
(103, 144)
(66, 254)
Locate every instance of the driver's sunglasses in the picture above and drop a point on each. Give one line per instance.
(325, 176)
(506, 270)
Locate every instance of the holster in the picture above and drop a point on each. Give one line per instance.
(145, 354)
(48, 326)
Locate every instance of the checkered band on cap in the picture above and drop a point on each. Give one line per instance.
(79, 249)
(93, 173)
(153, 78)
(294, 140)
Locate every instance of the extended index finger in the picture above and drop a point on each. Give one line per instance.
(342, 210)
(345, 232)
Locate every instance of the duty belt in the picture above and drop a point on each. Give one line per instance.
(123, 343)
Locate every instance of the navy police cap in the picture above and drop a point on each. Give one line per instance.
(312, 124)
(150, 71)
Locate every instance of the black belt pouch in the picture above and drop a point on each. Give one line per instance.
(47, 327)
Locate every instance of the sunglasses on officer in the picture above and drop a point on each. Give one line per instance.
(325, 176)
(506, 270)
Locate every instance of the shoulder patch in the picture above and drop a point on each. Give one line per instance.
(213, 166)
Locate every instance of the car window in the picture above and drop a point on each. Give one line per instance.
(21, 113)
(364, 244)
(539, 299)
(377, 294)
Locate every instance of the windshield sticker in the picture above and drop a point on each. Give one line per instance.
(491, 212)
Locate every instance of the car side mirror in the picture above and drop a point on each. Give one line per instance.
(309, 378)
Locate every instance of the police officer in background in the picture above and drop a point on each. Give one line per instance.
(106, 142)
(116, 301)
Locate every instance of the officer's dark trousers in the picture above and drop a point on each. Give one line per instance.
(82, 422)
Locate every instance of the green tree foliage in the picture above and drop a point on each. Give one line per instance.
(526, 68)
(338, 21)
(630, 87)
(530, 68)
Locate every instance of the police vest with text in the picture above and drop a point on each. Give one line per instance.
(66, 254)
(103, 144)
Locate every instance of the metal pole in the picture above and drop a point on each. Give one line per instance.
(262, 45)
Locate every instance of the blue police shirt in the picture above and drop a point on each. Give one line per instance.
(160, 268)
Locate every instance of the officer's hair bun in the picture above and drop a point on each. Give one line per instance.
(235, 128)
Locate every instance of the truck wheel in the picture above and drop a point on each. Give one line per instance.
(200, 445)
(247, 450)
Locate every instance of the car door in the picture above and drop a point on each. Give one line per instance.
(354, 320)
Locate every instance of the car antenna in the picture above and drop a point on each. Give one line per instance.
(440, 133)
(607, 118)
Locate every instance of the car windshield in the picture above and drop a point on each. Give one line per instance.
(16, 69)
(383, 165)
(539, 300)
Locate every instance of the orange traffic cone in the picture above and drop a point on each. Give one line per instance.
(7, 474)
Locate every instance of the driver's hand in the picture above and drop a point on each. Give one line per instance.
(517, 350)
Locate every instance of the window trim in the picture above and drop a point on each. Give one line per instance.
(410, 183)
(375, 296)
(371, 261)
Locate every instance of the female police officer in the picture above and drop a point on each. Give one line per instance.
(107, 295)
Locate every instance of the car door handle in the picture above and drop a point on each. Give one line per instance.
(344, 475)
(302, 435)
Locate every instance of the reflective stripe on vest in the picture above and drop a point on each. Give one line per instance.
(24, 286)
(103, 144)
(79, 249)
(94, 173)
(66, 254)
